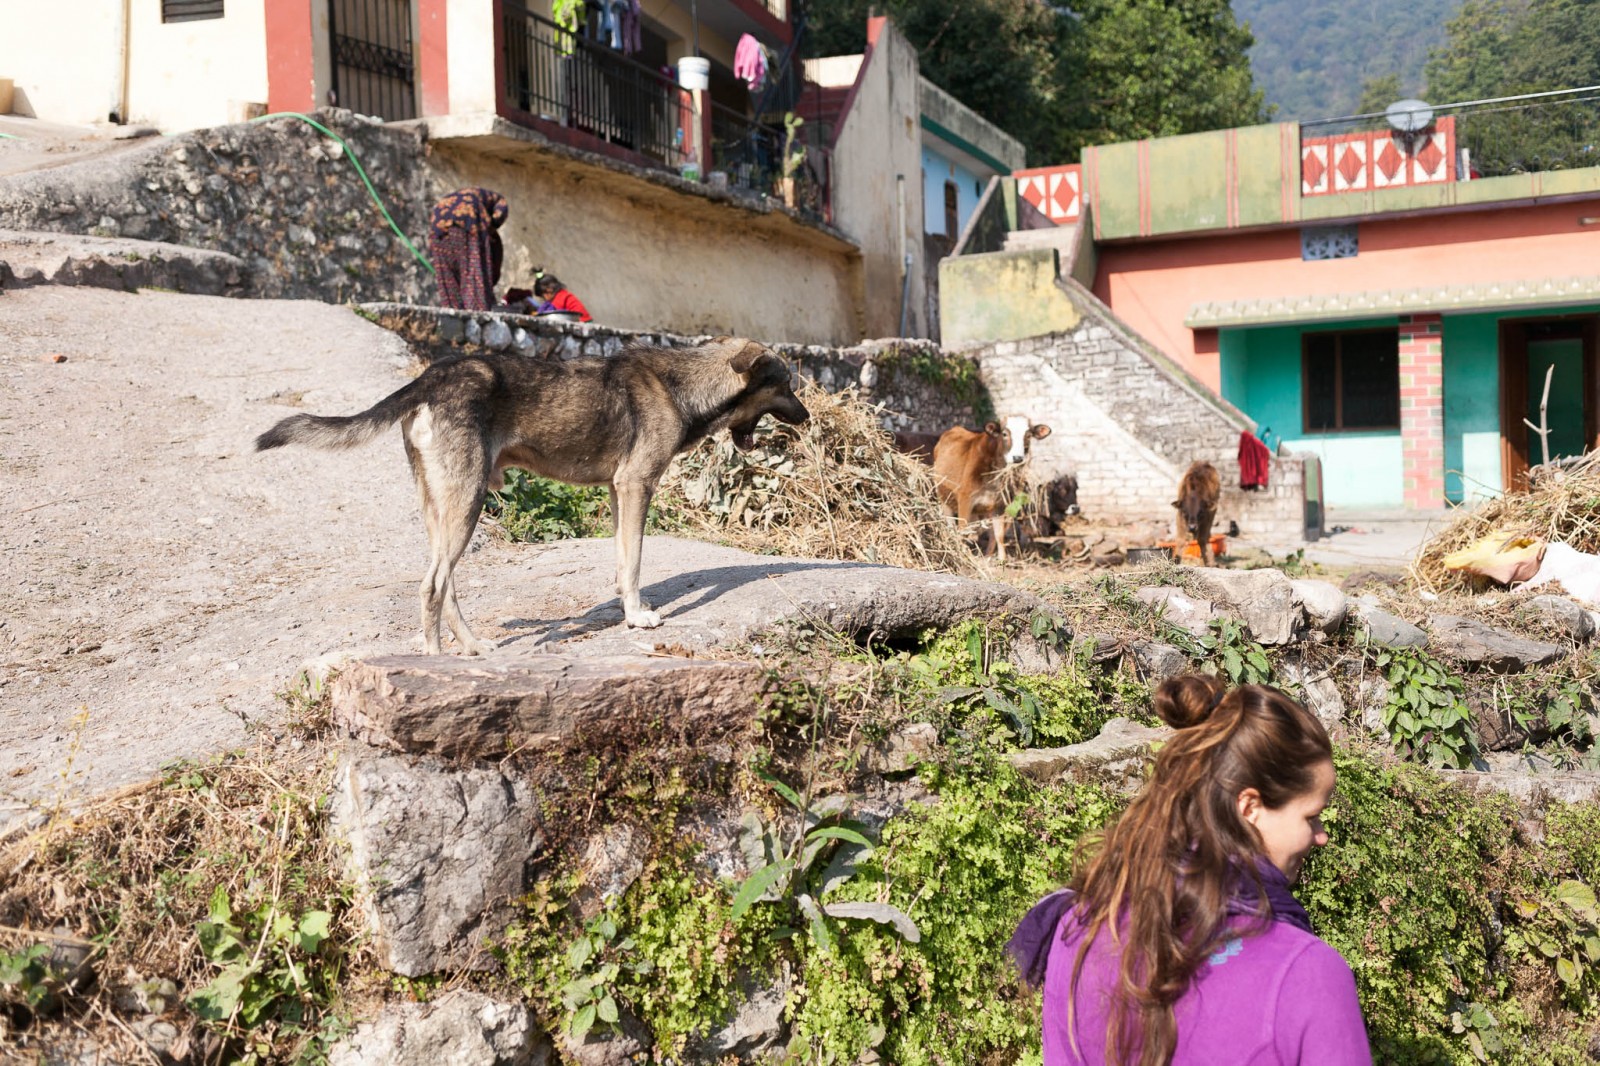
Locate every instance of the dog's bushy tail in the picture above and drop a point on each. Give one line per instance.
(340, 431)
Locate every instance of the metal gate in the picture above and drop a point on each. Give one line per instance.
(373, 72)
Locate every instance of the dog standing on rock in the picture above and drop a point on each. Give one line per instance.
(616, 421)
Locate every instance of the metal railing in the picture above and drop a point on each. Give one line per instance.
(564, 77)
(372, 67)
(1555, 130)
(750, 153)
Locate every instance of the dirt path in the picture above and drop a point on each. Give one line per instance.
(163, 581)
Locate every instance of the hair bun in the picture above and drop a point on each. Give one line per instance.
(1186, 701)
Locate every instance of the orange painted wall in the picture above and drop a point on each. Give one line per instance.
(290, 59)
(1152, 285)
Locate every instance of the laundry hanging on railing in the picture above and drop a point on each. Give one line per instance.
(619, 25)
(750, 62)
(564, 13)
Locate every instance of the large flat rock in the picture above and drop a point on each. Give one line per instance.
(42, 258)
(710, 595)
(460, 708)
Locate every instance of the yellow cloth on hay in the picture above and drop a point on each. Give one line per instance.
(1507, 558)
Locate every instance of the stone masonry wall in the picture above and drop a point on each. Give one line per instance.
(278, 194)
(885, 371)
(1128, 423)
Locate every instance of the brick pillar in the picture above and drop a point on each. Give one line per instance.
(1422, 409)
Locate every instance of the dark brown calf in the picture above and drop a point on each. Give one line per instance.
(1198, 494)
(916, 445)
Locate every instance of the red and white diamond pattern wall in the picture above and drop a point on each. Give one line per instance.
(1356, 162)
(1055, 191)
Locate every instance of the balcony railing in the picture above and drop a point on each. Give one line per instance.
(751, 155)
(1487, 138)
(567, 79)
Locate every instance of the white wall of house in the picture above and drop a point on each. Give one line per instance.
(78, 62)
(185, 75)
(63, 57)
(877, 194)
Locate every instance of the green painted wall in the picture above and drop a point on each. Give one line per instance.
(1188, 176)
(1187, 187)
(1471, 407)
(1001, 296)
(1261, 376)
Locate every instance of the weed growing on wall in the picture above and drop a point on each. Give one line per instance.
(1426, 713)
(970, 866)
(954, 373)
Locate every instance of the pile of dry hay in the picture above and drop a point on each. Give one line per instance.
(834, 488)
(1562, 505)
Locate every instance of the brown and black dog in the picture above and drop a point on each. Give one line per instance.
(1198, 494)
(616, 421)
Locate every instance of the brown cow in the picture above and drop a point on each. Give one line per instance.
(967, 468)
(1198, 493)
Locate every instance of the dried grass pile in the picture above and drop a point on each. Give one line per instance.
(834, 488)
(1562, 505)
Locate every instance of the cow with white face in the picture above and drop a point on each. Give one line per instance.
(968, 466)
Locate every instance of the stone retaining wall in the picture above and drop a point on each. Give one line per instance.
(901, 375)
(278, 194)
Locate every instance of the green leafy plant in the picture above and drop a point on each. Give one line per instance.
(270, 969)
(533, 508)
(787, 878)
(1425, 714)
(25, 978)
(1234, 655)
(595, 960)
(793, 155)
(1564, 929)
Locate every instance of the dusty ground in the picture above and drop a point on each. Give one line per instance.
(163, 581)
(167, 581)
(30, 144)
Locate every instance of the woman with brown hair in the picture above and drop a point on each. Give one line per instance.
(1177, 939)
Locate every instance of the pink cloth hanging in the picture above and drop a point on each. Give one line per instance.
(750, 62)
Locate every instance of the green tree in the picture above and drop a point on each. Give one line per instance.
(1378, 93)
(1499, 48)
(1060, 76)
(1156, 68)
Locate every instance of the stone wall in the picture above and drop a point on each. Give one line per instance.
(278, 194)
(1127, 423)
(908, 378)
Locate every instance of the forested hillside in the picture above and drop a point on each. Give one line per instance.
(1312, 59)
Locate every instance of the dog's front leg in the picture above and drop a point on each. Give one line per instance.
(632, 505)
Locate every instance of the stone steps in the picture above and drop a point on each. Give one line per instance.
(32, 257)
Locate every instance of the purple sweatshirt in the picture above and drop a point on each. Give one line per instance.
(1273, 999)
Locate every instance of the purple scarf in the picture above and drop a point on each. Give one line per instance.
(1030, 944)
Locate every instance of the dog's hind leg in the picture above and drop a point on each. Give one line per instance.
(451, 501)
(633, 500)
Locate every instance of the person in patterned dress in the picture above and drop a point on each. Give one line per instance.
(464, 243)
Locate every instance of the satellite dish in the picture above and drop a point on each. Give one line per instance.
(1409, 118)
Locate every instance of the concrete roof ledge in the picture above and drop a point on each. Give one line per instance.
(488, 132)
(1326, 307)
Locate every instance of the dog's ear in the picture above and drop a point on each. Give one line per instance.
(746, 357)
(1040, 431)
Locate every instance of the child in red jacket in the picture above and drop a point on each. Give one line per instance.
(557, 297)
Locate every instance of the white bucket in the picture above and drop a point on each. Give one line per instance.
(694, 72)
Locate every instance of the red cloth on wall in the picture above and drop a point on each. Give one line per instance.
(1254, 461)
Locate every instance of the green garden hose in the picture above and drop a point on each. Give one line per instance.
(350, 155)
